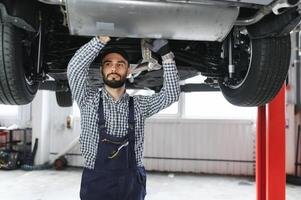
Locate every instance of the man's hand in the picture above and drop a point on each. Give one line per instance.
(103, 39)
(159, 46)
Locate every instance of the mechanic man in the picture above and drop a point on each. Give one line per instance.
(112, 122)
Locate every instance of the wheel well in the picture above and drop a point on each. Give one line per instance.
(25, 10)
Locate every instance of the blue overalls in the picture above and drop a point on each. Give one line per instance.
(116, 175)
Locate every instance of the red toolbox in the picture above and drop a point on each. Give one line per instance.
(3, 138)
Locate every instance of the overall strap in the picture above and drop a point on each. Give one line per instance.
(131, 134)
(101, 116)
(131, 119)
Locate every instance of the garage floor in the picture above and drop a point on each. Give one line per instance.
(64, 185)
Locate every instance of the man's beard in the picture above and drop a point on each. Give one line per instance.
(114, 83)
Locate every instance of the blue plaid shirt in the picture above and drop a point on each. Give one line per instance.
(115, 112)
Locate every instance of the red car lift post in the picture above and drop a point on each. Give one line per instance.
(270, 150)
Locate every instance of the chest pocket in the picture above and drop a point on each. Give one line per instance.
(114, 153)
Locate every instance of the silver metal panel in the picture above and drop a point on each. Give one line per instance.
(54, 2)
(200, 146)
(259, 2)
(212, 2)
(150, 19)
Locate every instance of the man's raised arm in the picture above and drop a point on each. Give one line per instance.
(78, 67)
(170, 91)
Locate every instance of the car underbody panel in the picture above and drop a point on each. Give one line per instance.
(244, 3)
(241, 47)
(261, 2)
(151, 19)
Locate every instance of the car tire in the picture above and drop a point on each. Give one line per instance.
(15, 88)
(267, 72)
(64, 98)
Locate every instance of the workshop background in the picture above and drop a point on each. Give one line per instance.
(199, 138)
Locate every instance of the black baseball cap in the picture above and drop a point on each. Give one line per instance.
(108, 50)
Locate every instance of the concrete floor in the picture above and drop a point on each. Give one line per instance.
(64, 185)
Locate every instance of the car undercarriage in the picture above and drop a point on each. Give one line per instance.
(228, 47)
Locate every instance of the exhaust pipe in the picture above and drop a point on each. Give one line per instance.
(53, 2)
(282, 5)
(278, 7)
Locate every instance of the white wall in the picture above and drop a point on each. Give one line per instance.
(290, 144)
(202, 146)
(61, 136)
(199, 145)
(298, 122)
(196, 139)
(217, 140)
(18, 115)
(41, 125)
(174, 138)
